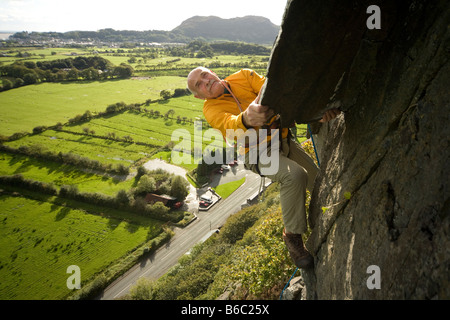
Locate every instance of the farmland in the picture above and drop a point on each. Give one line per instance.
(58, 102)
(40, 239)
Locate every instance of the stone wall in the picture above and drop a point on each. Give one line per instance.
(382, 195)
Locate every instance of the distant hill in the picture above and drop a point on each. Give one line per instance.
(251, 29)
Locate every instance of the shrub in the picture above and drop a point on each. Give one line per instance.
(68, 191)
(18, 180)
(159, 208)
(165, 94)
(30, 78)
(7, 84)
(238, 224)
(123, 198)
(39, 129)
(143, 290)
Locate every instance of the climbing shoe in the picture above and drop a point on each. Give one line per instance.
(301, 257)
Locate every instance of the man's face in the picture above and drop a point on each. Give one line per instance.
(204, 83)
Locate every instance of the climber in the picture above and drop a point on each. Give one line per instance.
(233, 103)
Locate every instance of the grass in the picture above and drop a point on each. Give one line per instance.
(39, 240)
(61, 53)
(103, 150)
(224, 190)
(156, 133)
(58, 102)
(50, 172)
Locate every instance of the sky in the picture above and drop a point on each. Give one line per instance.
(92, 15)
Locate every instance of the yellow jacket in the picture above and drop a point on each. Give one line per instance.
(223, 113)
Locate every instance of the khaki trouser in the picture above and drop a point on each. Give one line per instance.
(296, 173)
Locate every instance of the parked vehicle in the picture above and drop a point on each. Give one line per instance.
(204, 204)
(206, 199)
(233, 163)
(178, 205)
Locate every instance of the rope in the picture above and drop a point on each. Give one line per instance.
(287, 284)
(314, 145)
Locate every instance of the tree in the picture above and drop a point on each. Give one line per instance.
(143, 290)
(18, 82)
(72, 74)
(140, 172)
(29, 64)
(146, 184)
(179, 188)
(90, 74)
(68, 191)
(39, 129)
(61, 75)
(169, 114)
(30, 78)
(165, 94)
(87, 115)
(123, 71)
(179, 92)
(7, 84)
(122, 197)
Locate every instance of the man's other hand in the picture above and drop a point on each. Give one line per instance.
(330, 115)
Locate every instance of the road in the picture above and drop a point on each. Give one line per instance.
(184, 239)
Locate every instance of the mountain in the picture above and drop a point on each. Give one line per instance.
(251, 29)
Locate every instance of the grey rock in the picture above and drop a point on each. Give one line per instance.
(389, 149)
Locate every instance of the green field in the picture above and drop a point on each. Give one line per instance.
(52, 172)
(154, 132)
(224, 190)
(58, 102)
(38, 54)
(39, 240)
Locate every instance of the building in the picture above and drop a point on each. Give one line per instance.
(167, 200)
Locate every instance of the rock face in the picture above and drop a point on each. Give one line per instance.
(380, 206)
